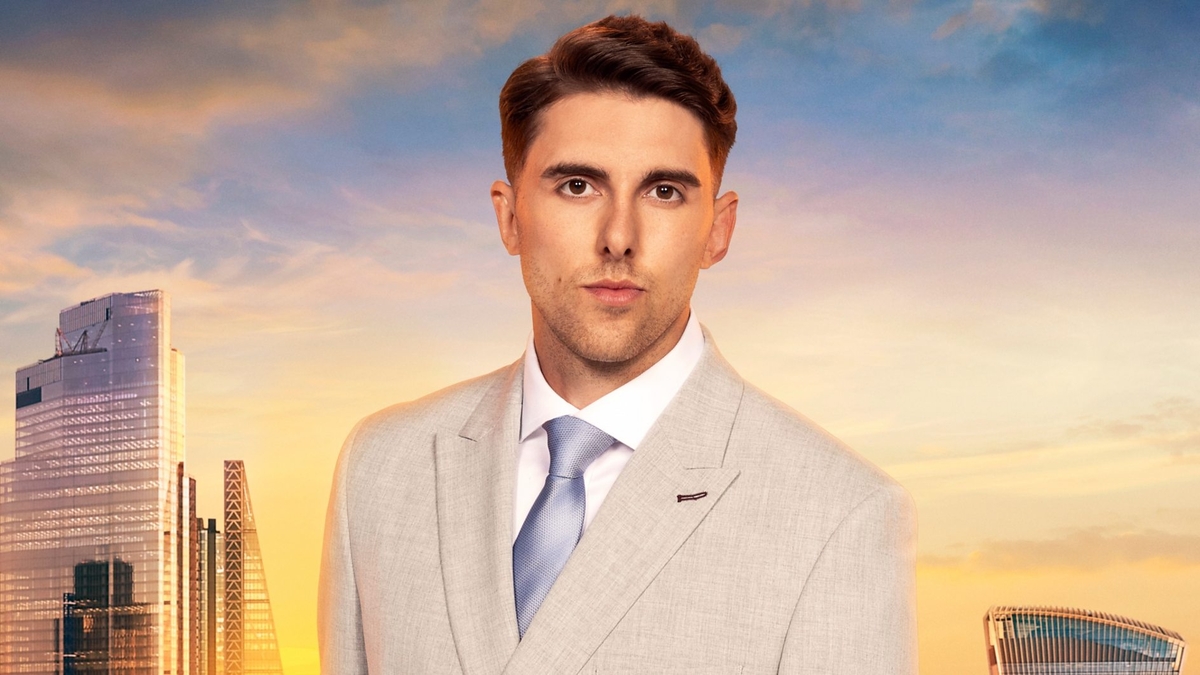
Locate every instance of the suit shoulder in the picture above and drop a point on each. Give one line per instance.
(413, 421)
(793, 447)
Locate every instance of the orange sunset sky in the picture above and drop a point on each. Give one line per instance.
(968, 245)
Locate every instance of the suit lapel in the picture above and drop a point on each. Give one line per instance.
(475, 468)
(641, 524)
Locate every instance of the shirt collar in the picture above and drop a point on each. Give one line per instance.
(627, 412)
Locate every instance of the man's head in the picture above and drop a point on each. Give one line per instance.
(615, 161)
(618, 54)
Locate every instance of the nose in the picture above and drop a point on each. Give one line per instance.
(618, 232)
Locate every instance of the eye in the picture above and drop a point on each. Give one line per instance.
(666, 193)
(577, 187)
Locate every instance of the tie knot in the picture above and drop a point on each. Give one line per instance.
(573, 445)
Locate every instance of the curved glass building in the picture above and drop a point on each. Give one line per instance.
(1053, 640)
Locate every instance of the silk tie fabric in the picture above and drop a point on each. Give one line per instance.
(555, 522)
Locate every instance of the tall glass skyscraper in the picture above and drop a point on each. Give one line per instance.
(94, 548)
(250, 645)
(1054, 640)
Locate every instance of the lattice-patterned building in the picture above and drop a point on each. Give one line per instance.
(250, 646)
(1054, 640)
(236, 628)
(94, 507)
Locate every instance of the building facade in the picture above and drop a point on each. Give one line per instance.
(249, 636)
(94, 566)
(103, 628)
(211, 633)
(1057, 640)
(104, 565)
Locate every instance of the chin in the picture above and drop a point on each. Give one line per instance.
(605, 339)
(612, 346)
(604, 351)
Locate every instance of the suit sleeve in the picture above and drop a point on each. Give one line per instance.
(339, 616)
(857, 611)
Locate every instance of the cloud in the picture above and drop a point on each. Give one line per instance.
(234, 63)
(1090, 11)
(1133, 54)
(1094, 456)
(997, 16)
(1172, 424)
(22, 268)
(720, 38)
(1098, 67)
(122, 132)
(104, 122)
(771, 8)
(268, 285)
(1088, 549)
(992, 16)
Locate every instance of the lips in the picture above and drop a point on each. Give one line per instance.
(614, 293)
(615, 285)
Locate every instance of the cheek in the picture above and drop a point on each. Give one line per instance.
(678, 250)
(545, 258)
(557, 244)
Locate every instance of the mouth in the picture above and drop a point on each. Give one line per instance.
(614, 293)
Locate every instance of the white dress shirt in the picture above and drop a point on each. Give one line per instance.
(626, 414)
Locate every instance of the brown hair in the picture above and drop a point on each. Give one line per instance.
(625, 54)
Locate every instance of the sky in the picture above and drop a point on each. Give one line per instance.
(967, 245)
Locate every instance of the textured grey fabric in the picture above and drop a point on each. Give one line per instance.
(740, 538)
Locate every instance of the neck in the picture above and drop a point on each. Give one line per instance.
(581, 381)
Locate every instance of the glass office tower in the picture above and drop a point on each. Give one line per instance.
(94, 575)
(1053, 640)
(249, 631)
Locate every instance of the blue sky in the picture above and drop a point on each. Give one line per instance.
(967, 246)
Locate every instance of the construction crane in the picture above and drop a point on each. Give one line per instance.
(64, 346)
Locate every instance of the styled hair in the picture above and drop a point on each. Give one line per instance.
(625, 54)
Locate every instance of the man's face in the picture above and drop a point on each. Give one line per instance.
(613, 216)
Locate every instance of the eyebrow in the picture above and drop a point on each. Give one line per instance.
(563, 169)
(673, 175)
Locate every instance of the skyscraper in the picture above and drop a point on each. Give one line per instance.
(1054, 640)
(103, 628)
(237, 629)
(250, 645)
(211, 559)
(93, 510)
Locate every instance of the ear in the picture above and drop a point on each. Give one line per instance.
(724, 220)
(504, 200)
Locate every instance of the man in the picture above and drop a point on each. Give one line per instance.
(618, 500)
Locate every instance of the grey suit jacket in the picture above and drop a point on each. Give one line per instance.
(793, 554)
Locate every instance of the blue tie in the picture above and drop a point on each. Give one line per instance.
(555, 522)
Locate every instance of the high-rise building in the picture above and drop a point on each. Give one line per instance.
(1054, 640)
(103, 628)
(250, 645)
(104, 566)
(94, 515)
(211, 559)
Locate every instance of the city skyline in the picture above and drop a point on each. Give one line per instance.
(103, 564)
(967, 248)
(96, 492)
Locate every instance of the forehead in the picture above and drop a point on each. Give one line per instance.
(620, 134)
